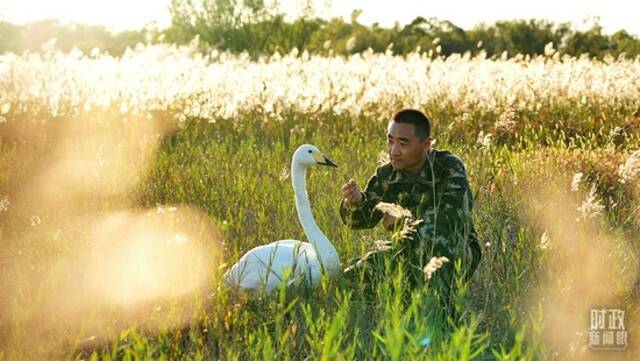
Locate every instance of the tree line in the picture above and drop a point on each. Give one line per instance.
(251, 26)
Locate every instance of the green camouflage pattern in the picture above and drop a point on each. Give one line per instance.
(439, 196)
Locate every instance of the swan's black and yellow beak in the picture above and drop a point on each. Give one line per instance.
(324, 160)
(328, 162)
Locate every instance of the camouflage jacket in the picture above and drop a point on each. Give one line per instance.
(439, 195)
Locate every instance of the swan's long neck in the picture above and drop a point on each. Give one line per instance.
(325, 250)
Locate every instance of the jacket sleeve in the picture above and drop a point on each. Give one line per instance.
(364, 214)
(449, 224)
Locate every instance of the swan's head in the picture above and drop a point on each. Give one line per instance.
(309, 155)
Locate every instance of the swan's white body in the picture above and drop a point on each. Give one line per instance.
(265, 267)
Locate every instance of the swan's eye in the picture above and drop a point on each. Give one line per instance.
(310, 151)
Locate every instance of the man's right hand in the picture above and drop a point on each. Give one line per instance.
(351, 192)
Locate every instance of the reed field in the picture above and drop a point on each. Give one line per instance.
(129, 185)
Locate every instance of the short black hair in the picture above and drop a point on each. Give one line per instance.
(421, 123)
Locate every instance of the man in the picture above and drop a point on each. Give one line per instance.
(433, 185)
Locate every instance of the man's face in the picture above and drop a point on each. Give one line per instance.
(406, 151)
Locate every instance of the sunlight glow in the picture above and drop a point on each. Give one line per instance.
(117, 15)
(129, 15)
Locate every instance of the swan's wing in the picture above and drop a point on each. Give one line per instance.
(288, 242)
(266, 266)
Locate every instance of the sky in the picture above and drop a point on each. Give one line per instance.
(134, 14)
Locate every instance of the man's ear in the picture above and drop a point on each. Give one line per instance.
(427, 144)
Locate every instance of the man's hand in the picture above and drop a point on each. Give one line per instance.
(388, 222)
(351, 192)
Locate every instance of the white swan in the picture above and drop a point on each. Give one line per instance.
(264, 267)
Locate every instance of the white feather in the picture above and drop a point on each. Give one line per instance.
(266, 266)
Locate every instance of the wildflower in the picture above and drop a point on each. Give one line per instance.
(390, 48)
(351, 44)
(630, 170)
(591, 207)
(435, 263)
(284, 175)
(617, 132)
(549, 50)
(379, 245)
(394, 210)
(506, 123)
(608, 59)
(575, 182)
(484, 140)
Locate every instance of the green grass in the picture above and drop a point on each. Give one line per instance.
(236, 173)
